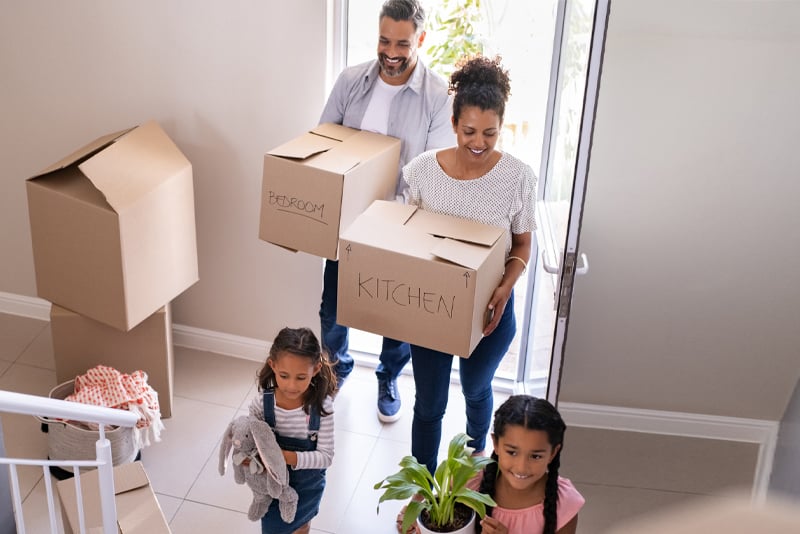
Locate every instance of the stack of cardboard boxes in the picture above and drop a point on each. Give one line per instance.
(113, 233)
(404, 273)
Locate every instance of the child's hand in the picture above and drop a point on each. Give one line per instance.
(490, 525)
(290, 457)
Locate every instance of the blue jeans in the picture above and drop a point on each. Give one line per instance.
(394, 354)
(432, 381)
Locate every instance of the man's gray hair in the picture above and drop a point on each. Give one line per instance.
(405, 10)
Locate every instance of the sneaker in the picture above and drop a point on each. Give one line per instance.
(388, 401)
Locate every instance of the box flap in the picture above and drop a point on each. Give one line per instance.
(460, 253)
(460, 229)
(335, 131)
(129, 477)
(335, 161)
(394, 212)
(304, 146)
(135, 164)
(95, 146)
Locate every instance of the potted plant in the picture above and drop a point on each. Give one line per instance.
(443, 502)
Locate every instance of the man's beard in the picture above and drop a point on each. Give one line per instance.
(393, 71)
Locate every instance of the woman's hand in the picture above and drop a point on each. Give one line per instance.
(496, 307)
(520, 250)
(490, 525)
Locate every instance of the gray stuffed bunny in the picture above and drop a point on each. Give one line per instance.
(248, 437)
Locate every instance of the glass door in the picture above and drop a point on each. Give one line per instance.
(565, 160)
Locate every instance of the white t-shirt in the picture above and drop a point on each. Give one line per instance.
(503, 197)
(376, 117)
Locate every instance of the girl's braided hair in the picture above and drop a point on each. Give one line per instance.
(531, 413)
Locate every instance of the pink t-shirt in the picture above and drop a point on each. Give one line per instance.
(531, 520)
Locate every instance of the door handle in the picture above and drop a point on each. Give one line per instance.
(583, 265)
(548, 268)
(582, 268)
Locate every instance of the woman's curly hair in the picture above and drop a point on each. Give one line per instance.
(482, 82)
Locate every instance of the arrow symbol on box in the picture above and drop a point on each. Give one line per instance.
(348, 249)
(466, 279)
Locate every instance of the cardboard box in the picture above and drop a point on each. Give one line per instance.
(317, 184)
(80, 343)
(112, 227)
(418, 276)
(138, 511)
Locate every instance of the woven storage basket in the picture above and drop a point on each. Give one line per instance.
(66, 441)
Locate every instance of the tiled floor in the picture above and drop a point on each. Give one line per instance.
(210, 389)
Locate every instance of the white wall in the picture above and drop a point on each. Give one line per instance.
(691, 222)
(227, 81)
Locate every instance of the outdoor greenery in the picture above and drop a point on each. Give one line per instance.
(455, 22)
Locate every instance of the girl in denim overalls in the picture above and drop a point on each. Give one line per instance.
(296, 387)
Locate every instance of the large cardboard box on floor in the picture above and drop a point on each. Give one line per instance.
(80, 343)
(113, 227)
(418, 276)
(138, 511)
(314, 186)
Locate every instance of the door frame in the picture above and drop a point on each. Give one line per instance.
(569, 265)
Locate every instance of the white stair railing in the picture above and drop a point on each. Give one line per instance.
(21, 403)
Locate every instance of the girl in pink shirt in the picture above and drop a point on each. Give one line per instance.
(531, 498)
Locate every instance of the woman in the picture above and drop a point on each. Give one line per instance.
(472, 180)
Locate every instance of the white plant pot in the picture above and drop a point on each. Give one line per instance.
(469, 528)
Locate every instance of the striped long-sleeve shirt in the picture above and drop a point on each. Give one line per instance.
(294, 424)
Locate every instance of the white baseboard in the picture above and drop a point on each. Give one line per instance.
(760, 431)
(183, 336)
(228, 344)
(32, 307)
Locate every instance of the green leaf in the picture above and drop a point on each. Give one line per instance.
(413, 509)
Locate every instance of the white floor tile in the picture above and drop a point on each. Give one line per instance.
(362, 513)
(22, 378)
(352, 405)
(16, 333)
(169, 505)
(220, 490)
(209, 377)
(343, 477)
(40, 351)
(190, 438)
(194, 518)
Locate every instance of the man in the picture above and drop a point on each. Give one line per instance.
(396, 95)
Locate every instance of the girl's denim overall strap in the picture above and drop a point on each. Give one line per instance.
(268, 399)
(292, 444)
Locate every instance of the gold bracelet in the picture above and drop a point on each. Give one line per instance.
(524, 263)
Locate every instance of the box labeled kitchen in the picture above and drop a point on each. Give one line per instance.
(418, 276)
